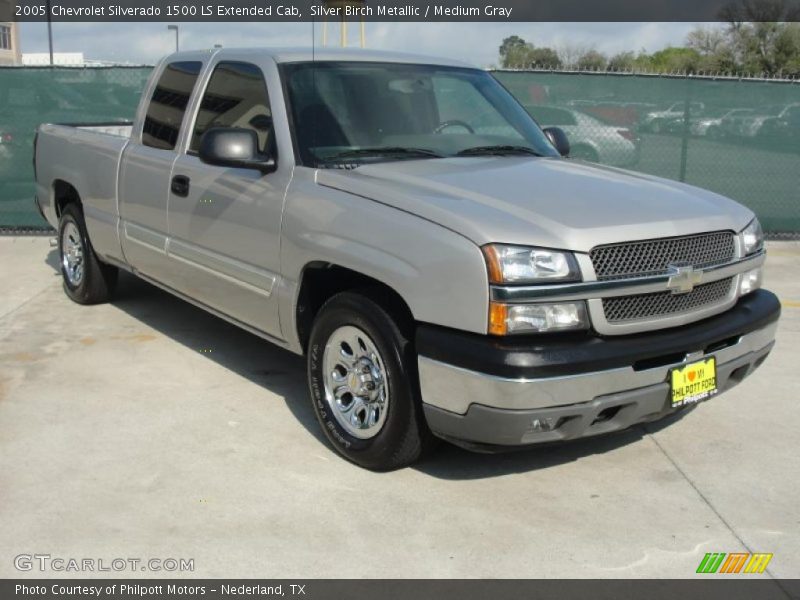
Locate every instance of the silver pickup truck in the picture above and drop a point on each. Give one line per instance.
(446, 268)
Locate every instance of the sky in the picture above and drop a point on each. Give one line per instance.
(476, 43)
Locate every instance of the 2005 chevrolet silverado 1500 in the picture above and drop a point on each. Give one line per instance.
(405, 224)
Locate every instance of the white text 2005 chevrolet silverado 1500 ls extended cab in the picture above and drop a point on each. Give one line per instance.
(406, 225)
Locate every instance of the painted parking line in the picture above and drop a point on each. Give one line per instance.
(790, 303)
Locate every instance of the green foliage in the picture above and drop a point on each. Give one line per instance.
(510, 44)
(546, 58)
(592, 61)
(675, 60)
(762, 37)
(624, 61)
(517, 53)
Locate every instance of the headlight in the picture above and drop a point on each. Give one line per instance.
(520, 264)
(750, 281)
(752, 237)
(507, 319)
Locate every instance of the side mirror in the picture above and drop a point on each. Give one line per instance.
(233, 147)
(559, 139)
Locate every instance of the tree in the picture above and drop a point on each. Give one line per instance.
(707, 41)
(517, 53)
(544, 58)
(715, 48)
(787, 50)
(675, 60)
(510, 44)
(592, 60)
(762, 36)
(570, 53)
(624, 61)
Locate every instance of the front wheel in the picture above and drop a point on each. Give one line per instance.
(363, 384)
(86, 279)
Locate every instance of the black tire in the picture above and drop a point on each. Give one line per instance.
(98, 280)
(404, 436)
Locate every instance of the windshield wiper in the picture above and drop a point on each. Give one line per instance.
(381, 151)
(498, 151)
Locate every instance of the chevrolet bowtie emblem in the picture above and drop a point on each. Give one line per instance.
(683, 279)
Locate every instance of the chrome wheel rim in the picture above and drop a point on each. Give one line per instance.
(356, 389)
(72, 254)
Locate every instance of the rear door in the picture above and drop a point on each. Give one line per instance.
(146, 166)
(224, 223)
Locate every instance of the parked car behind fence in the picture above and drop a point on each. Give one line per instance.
(590, 138)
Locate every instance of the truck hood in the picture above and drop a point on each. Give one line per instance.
(548, 202)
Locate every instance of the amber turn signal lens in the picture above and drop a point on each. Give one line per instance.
(498, 318)
(493, 264)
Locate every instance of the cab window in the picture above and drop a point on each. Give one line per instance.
(236, 96)
(168, 104)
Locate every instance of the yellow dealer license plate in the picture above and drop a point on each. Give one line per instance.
(694, 382)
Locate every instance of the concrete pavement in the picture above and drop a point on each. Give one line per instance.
(149, 429)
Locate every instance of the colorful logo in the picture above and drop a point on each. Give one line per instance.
(735, 562)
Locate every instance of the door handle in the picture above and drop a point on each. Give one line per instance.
(180, 185)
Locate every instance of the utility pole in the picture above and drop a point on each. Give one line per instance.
(342, 5)
(50, 33)
(177, 34)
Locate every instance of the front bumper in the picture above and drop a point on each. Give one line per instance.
(483, 391)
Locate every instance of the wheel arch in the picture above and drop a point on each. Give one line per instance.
(64, 193)
(320, 281)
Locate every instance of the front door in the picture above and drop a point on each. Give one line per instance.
(224, 223)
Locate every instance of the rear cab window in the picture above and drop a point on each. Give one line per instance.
(162, 124)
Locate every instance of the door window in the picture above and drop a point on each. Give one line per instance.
(236, 96)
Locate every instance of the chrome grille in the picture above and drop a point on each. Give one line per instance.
(660, 304)
(653, 257)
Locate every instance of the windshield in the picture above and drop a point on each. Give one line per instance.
(355, 112)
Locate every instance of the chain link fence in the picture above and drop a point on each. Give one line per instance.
(737, 137)
(30, 96)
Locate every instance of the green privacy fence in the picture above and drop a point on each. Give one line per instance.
(740, 138)
(30, 96)
(736, 137)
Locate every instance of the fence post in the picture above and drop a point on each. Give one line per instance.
(687, 109)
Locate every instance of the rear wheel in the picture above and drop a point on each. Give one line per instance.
(363, 384)
(86, 279)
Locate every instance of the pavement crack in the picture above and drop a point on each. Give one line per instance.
(24, 303)
(708, 503)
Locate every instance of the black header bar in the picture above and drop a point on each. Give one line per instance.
(401, 10)
(704, 587)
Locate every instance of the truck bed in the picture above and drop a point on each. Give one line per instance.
(87, 155)
(115, 128)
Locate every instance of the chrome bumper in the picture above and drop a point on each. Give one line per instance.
(566, 388)
(454, 389)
